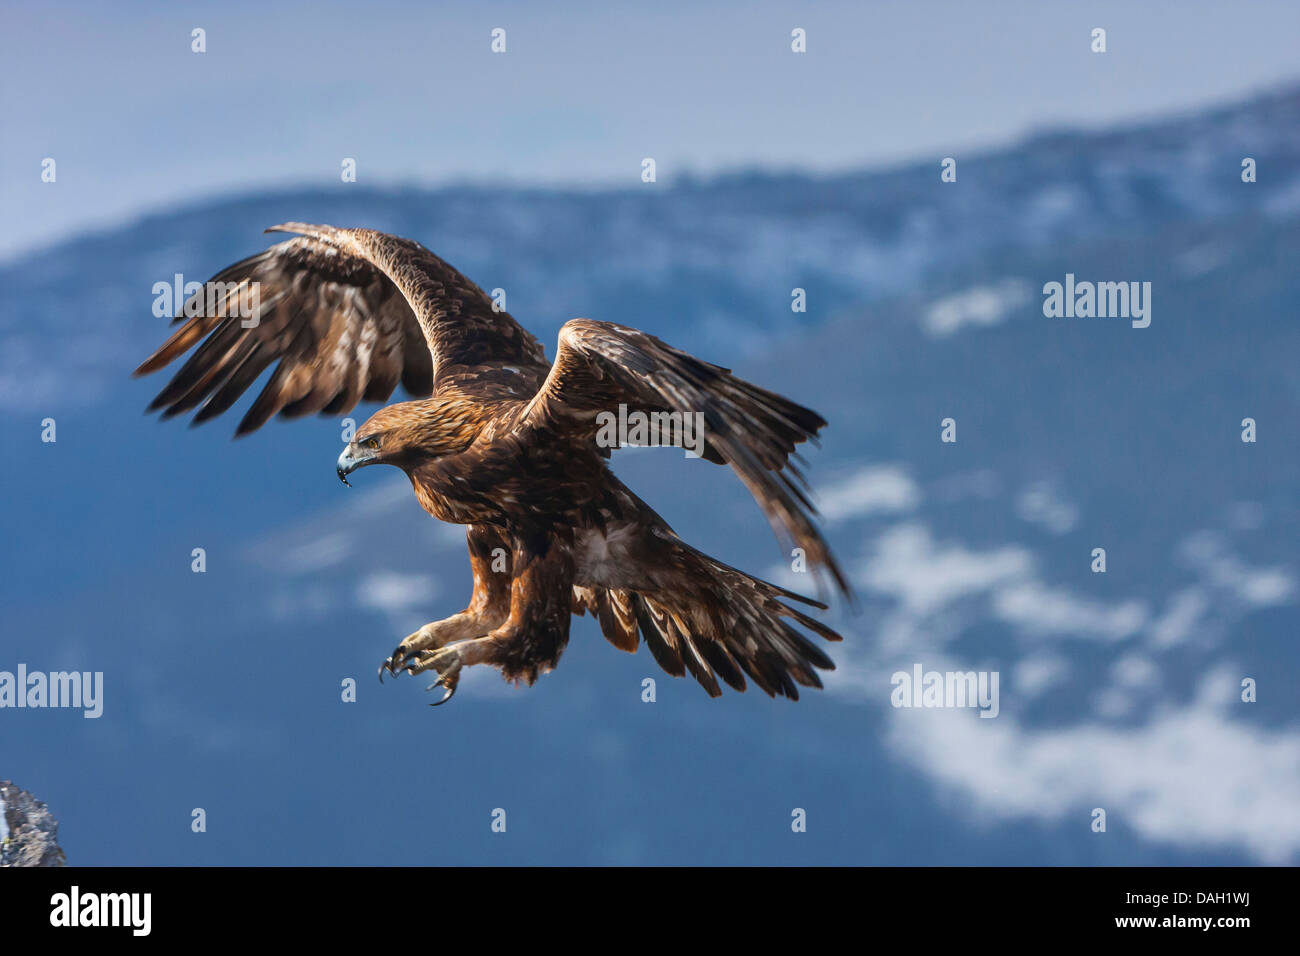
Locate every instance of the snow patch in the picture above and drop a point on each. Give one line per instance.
(980, 306)
(879, 489)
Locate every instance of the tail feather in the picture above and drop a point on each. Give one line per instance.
(718, 623)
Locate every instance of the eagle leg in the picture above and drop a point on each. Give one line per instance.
(488, 605)
(528, 641)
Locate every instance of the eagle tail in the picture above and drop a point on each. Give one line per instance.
(716, 622)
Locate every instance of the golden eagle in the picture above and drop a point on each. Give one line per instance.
(506, 443)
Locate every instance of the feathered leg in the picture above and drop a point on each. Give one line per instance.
(530, 640)
(488, 607)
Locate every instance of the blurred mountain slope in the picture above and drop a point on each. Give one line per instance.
(1119, 690)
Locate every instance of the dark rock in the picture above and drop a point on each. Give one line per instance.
(28, 834)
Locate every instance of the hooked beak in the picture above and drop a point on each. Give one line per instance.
(351, 459)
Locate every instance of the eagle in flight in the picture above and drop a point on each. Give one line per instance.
(506, 443)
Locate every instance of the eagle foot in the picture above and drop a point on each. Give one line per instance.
(412, 646)
(447, 663)
(424, 643)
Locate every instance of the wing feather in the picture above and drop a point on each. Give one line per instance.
(600, 366)
(344, 315)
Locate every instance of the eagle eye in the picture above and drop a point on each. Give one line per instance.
(371, 443)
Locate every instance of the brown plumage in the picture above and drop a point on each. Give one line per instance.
(510, 446)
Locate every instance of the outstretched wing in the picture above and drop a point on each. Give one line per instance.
(600, 366)
(346, 314)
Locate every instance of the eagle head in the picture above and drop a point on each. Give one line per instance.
(409, 434)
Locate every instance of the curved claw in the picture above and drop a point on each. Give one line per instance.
(448, 675)
(451, 691)
(396, 661)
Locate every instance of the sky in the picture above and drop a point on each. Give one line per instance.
(137, 121)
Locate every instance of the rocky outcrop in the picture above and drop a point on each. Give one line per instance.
(28, 834)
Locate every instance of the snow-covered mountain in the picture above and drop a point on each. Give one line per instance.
(1118, 690)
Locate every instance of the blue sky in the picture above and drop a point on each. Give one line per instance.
(136, 121)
